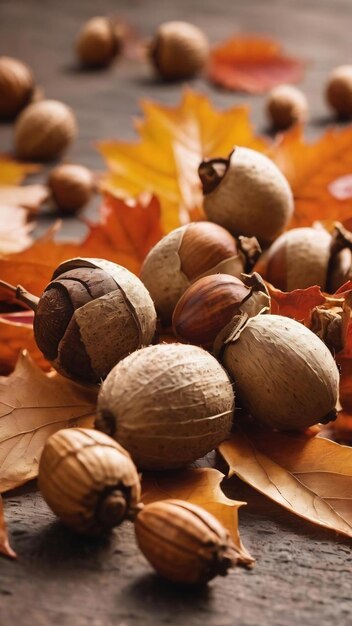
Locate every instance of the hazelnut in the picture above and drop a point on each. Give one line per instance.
(339, 90)
(189, 252)
(167, 404)
(71, 186)
(247, 194)
(210, 303)
(44, 130)
(98, 42)
(285, 106)
(16, 86)
(179, 50)
(92, 314)
(88, 480)
(183, 542)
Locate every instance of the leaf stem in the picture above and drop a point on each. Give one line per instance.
(21, 294)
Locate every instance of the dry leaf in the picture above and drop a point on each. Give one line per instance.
(201, 487)
(297, 304)
(33, 406)
(317, 172)
(13, 172)
(252, 64)
(309, 476)
(5, 547)
(16, 334)
(173, 142)
(123, 235)
(29, 197)
(14, 229)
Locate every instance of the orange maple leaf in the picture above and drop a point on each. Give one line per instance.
(13, 172)
(173, 142)
(252, 64)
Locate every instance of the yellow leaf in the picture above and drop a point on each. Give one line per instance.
(201, 487)
(173, 142)
(309, 476)
(33, 406)
(13, 172)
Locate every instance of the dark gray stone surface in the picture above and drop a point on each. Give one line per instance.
(303, 574)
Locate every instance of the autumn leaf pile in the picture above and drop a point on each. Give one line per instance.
(150, 187)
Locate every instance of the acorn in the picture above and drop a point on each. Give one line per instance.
(179, 50)
(247, 194)
(88, 480)
(303, 257)
(189, 252)
(90, 316)
(338, 90)
(71, 187)
(167, 404)
(16, 86)
(286, 105)
(44, 130)
(210, 303)
(98, 42)
(184, 543)
(284, 375)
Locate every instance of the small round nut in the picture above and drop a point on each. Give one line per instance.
(71, 186)
(16, 86)
(285, 106)
(44, 130)
(88, 480)
(339, 90)
(183, 542)
(97, 43)
(179, 50)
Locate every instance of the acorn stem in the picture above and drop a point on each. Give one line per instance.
(212, 172)
(21, 294)
(113, 509)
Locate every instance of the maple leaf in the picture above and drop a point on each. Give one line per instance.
(202, 487)
(123, 235)
(173, 142)
(320, 174)
(5, 547)
(309, 476)
(14, 229)
(33, 406)
(29, 197)
(13, 172)
(252, 64)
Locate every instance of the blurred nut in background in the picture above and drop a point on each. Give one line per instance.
(44, 130)
(179, 50)
(98, 42)
(339, 90)
(71, 186)
(16, 86)
(285, 106)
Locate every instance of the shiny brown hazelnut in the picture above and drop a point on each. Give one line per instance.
(286, 105)
(44, 130)
(98, 42)
(16, 86)
(71, 186)
(338, 90)
(179, 50)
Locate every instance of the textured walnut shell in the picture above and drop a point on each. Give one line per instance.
(284, 374)
(185, 254)
(97, 43)
(248, 195)
(44, 130)
(286, 105)
(71, 186)
(167, 404)
(339, 90)
(92, 314)
(16, 86)
(88, 480)
(179, 50)
(209, 304)
(183, 542)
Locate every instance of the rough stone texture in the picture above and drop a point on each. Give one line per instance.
(303, 575)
